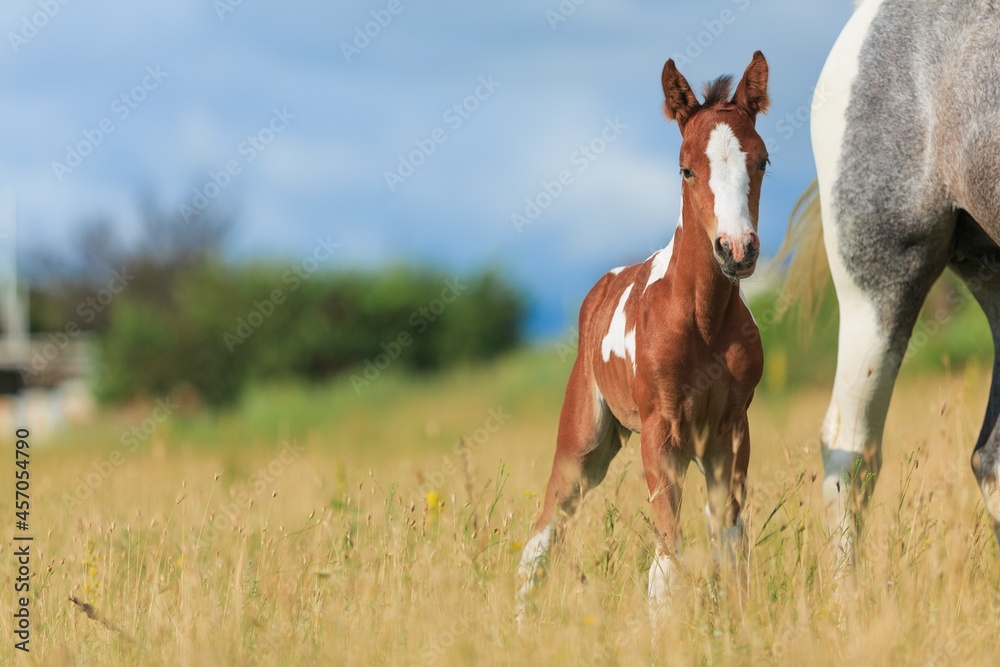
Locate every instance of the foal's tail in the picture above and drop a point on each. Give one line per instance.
(808, 272)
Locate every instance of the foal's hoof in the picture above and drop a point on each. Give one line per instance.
(524, 609)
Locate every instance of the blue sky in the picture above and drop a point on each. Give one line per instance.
(308, 118)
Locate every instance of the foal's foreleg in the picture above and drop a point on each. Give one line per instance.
(726, 466)
(589, 437)
(665, 466)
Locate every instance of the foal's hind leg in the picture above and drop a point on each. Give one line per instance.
(589, 437)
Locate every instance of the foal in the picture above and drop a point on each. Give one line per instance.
(668, 347)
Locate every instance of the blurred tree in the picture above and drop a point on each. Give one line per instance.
(80, 285)
(172, 315)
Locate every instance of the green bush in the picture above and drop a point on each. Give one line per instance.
(225, 325)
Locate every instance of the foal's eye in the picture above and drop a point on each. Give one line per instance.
(687, 174)
(763, 164)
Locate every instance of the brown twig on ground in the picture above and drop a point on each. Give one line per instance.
(94, 615)
(657, 535)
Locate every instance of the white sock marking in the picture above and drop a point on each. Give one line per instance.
(662, 575)
(536, 551)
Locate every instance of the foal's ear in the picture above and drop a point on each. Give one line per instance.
(751, 93)
(679, 102)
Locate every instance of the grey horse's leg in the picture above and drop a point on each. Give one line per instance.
(977, 261)
(881, 276)
(888, 227)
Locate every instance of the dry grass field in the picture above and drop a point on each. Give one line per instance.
(312, 526)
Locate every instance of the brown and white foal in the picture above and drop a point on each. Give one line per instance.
(668, 347)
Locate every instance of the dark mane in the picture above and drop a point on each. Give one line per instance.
(718, 91)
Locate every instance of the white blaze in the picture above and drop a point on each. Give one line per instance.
(730, 182)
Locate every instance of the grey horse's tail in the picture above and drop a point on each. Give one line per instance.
(807, 275)
(808, 272)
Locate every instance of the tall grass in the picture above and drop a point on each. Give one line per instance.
(375, 540)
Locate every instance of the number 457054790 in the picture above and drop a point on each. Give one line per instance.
(21, 459)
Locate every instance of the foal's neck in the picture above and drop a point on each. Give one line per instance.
(699, 278)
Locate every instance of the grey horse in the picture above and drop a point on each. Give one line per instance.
(906, 135)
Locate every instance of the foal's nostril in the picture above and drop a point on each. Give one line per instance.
(722, 247)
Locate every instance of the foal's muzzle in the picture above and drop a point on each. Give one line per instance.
(738, 257)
